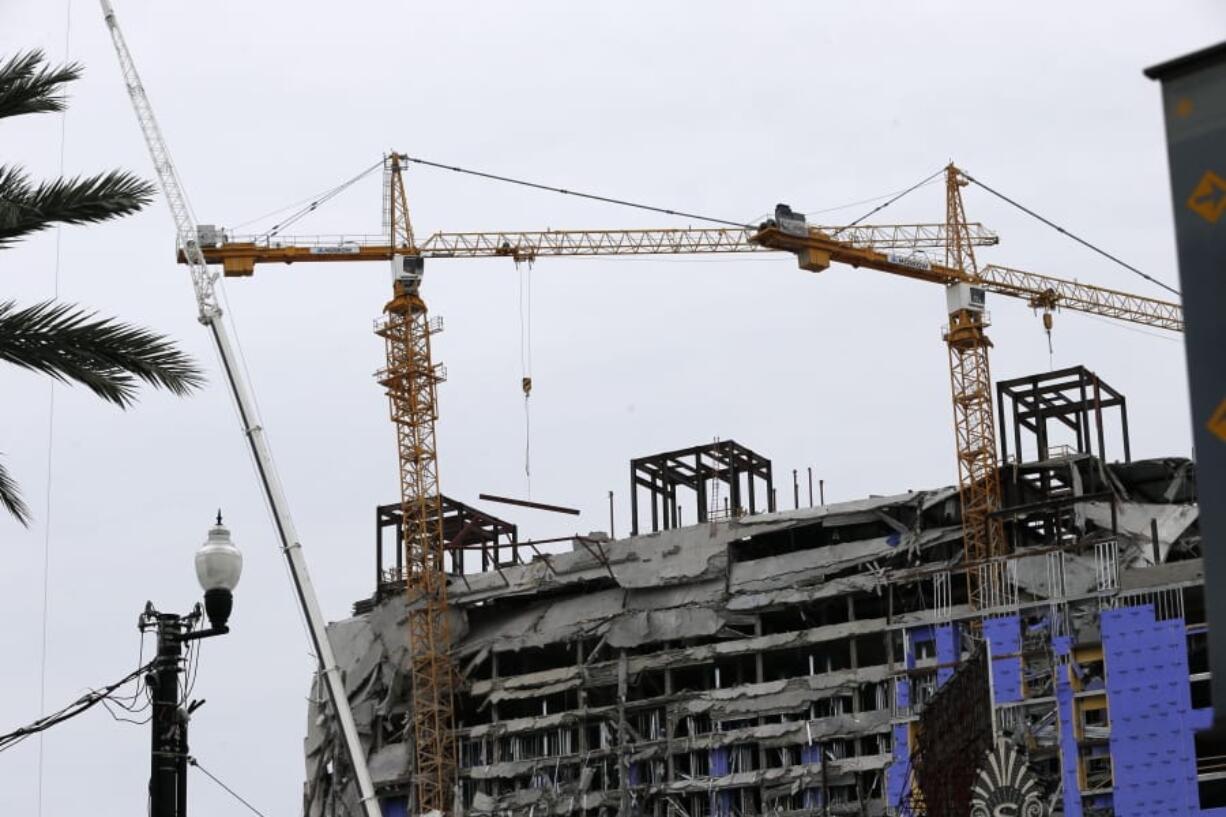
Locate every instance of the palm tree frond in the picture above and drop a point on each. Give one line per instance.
(10, 498)
(28, 85)
(25, 209)
(106, 356)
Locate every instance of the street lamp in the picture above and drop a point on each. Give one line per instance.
(219, 564)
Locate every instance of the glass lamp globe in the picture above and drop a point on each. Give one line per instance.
(219, 564)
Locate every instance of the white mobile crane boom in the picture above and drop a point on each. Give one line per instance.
(203, 280)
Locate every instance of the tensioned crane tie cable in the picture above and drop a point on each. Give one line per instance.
(884, 205)
(1076, 238)
(714, 220)
(577, 193)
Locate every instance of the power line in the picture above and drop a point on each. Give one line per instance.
(82, 704)
(576, 193)
(46, 609)
(231, 791)
(1076, 238)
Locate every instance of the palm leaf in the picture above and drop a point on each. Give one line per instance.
(27, 85)
(106, 356)
(10, 498)
(26, 209)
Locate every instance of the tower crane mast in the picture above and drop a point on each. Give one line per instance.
(411, 380)
(210, 313)
(970, 378)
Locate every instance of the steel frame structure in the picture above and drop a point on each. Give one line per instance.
(1041, 481)
(1074, 397)
(465, 529)
(725, 461)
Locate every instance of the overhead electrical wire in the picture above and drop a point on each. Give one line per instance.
(1076, 238)
(196, 763)
(46, 606)
(193, 669)
(80, 705)
(106, 703)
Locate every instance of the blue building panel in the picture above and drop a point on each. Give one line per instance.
(811, 754)
(1063, 647)
(721, 799)
(1152, 722)
(394, 806)
(948, 652)
(899, 770)
(1004, 637)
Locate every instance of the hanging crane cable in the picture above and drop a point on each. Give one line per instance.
(525, 362)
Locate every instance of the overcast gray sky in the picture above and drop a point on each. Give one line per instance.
(717, 108)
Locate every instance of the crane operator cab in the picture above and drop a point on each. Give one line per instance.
(789, 222)
(407, 271)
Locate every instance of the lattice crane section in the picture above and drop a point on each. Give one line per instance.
(411, 380)
(970, 378)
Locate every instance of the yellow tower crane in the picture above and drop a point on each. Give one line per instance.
(411, 380)
(411, 377)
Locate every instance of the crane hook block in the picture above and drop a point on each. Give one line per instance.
(1047, 321)
(527, 384)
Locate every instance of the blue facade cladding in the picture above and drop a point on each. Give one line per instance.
(811, 754)
(948, 652)
(394, 806)
(900, 768)
(1063, 648)
(1152, 721)
(1004, 637)
(721, 799)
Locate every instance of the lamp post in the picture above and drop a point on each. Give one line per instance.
(218, 567)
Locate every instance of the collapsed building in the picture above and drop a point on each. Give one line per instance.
(820, 660)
